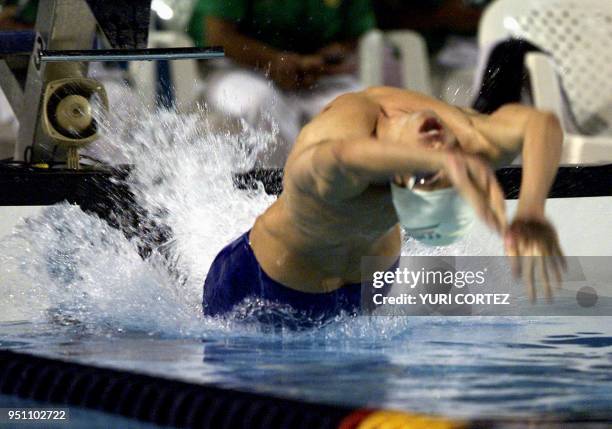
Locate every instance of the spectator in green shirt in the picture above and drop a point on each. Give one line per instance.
(305, 47)
(15, 15)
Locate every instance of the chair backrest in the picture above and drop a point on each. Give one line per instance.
(412, 50)
(578, 36)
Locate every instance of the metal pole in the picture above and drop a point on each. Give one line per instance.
(131, 54)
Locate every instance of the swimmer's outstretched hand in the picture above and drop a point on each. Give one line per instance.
(536, 240)
(475, 181)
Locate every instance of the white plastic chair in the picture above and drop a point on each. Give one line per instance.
(415, 71)
(577, 34)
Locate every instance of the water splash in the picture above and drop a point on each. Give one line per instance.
(72, 266)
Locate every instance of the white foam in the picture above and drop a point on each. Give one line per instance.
(74, 266)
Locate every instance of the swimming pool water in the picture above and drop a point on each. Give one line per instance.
(452, 366)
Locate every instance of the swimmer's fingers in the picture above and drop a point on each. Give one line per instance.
(533, 243)
(516, 266)
(557, 263)
(530, 257)
(538, 259)
(558, 253)
(520, 249)
(546, 278)
(530, 279)
(554, 257)
(556, 268)
(513, 256)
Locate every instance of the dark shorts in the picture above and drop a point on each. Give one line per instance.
(236, 275)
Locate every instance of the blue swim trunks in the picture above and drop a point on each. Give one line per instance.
(236, 275)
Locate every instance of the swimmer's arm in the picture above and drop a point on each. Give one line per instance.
(347, 168)
(342, 155)
(538, 136)
(541, 153)
(344, 168)
(405, 100)
(350, 117)
(376, 160)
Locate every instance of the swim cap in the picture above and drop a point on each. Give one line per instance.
(435, 218)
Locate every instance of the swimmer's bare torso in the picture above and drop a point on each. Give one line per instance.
(336, 205)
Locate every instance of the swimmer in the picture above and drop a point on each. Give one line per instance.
(371, 158)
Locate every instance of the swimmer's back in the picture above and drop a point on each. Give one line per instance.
(305, 243)
(304, 240)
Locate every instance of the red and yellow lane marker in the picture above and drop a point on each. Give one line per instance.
(382, 419)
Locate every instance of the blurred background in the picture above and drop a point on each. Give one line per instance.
(286, 59)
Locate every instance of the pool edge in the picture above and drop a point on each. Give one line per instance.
(188, 405)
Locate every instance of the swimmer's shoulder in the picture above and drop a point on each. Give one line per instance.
(390, 98)
(349, 116)
(469, 111)
(389, 91)
(502, 132)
